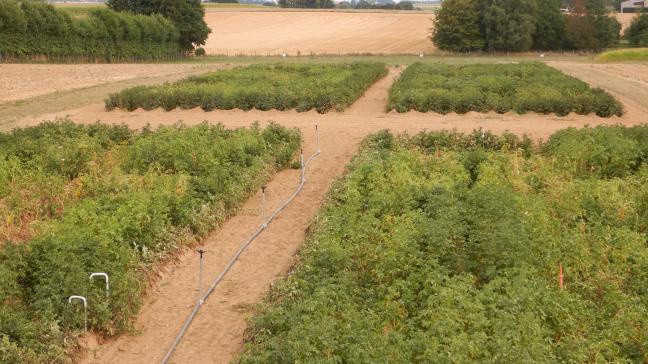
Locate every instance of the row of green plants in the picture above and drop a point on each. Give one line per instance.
(525, 87)
(31, 28)
(264, 87)
(445, 247)
(108, 199)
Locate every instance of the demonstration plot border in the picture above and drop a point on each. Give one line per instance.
(303, 87)
(523, 87)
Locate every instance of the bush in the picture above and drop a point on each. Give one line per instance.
(457, 26)
(445, 247)
(264, 87)
(199, 52)
(132, 199)
(523, 87)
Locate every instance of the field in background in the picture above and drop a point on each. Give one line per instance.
(274, 32)
(258, 30)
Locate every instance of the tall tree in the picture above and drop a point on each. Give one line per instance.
(509, 25)
(456, 26)
(607, 28)
(12, 19)
(637, 32)
(580, 32)
(550, 25)
(187, 15)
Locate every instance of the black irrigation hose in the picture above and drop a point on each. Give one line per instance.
(238, 253)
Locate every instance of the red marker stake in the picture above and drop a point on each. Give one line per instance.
(560, 278)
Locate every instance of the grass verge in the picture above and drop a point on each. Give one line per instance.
(624, 55)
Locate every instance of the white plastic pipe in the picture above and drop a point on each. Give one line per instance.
(106, 279)
(85, 309)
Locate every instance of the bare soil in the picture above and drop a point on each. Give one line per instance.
(323, 32)
(218, 332)
(23, 81)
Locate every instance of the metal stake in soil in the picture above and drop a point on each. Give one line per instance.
(301, 158)
(263, 207)
(318, 139)
(200, 274)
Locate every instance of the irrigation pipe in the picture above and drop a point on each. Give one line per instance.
(240, 251)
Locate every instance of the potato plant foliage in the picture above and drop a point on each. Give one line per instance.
(445, 247)
(264, 87)
(79, 199)
(522, 88)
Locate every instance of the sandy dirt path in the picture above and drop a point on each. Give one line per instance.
(217, 334)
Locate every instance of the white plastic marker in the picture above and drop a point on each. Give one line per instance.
(85, 309)
(105, 277)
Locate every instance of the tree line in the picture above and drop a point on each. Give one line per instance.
(34, 28)
(522, 25)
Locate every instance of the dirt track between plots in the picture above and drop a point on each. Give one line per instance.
(262, 33)
(217, 334)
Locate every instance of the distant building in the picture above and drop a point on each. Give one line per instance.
(633, 6)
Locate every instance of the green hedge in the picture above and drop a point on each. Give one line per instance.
(33, 29)
(445, 248)
(526, 87)
(117, 201)
(264, 87)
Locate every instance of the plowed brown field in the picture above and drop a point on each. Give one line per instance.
(290, 32)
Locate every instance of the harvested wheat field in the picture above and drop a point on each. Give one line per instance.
(23, 81)
(264, 32)
(625, 20)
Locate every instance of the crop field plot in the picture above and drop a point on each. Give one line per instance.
(525, 87)
(264, 87)
(78, 199)
(447, 247)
